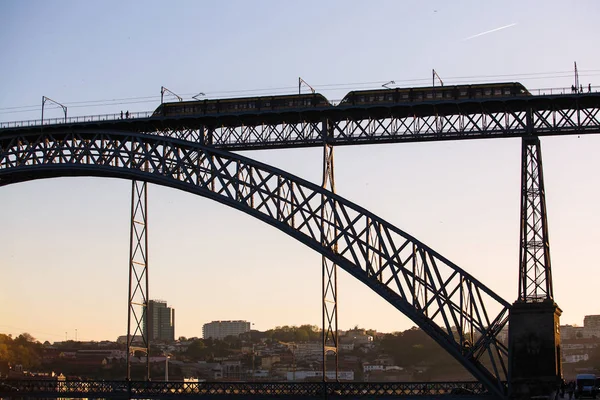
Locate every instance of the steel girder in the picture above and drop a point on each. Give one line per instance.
(552, 115)
(535, 273)
(451, 306)
(388, 123)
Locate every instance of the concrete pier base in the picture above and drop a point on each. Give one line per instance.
(535, 367)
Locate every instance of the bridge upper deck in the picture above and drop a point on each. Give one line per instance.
(541, 115)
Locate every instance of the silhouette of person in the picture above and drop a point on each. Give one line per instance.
(580, 88)
(121, 114)
(589, 88)
(573, 90)
(127, 114)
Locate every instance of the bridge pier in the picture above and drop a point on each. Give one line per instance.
(535, 367)
(534, 355)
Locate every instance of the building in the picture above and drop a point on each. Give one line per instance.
(159, 321)
(569, 332)
(222, 329)
(591, 326)
(302, 375)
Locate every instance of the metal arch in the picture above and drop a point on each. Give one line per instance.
(456, 303)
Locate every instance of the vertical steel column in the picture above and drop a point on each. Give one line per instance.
(328, 238)
(137, 304)
(535, 275)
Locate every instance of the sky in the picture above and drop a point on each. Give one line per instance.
(64, 242)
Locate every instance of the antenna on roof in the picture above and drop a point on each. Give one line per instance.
(433, 75)
(162, 94)
(300, 82)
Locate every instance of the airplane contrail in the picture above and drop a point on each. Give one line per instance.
(486, 32)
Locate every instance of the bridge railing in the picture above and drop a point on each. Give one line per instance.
(154, 389)
(559, 91)
(147, 114)
(75, 120)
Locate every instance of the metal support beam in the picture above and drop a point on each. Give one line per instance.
(535, 275)
(328, 238)
(137, 302)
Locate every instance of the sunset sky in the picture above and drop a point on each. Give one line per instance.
(64, 243)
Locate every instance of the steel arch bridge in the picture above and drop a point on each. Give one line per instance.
(455, 309)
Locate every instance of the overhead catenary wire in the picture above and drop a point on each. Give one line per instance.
(327, 87)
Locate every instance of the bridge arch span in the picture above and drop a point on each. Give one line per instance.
(450, 305)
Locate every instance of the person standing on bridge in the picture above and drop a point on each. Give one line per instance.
(580, 88)
(127, 114)
(121, 114)
(589, 88)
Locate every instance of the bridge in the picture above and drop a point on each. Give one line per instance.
(194, 153)
(244, 390)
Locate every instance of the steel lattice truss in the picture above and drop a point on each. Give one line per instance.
(387, 123)
(551, 115)
(535, 274)
(138, 275)
(329, 268)
(455, 309)
(220, 390)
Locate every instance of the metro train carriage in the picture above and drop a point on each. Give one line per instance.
(241, 104)
(418, 94)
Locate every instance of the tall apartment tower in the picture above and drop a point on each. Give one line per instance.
(222, 329)
(159, 321)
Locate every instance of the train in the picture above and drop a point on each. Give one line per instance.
(242, 104)
(358, 97)
(432, 93)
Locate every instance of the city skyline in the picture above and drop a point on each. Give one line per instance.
(64, 243)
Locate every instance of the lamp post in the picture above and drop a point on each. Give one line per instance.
(45, 99)
(167, 356)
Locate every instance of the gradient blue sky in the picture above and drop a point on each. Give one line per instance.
(64, 242)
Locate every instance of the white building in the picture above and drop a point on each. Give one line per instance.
(303, 375)
(222, 329)
(368, 367)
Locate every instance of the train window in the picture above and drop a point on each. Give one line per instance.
(390, 97)
(371, 99)
(439, 95)
(267, 104)
(488, 92)
(463, 93)
(430, 95)
(507, 91)
(405, 95)
(361, 99)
